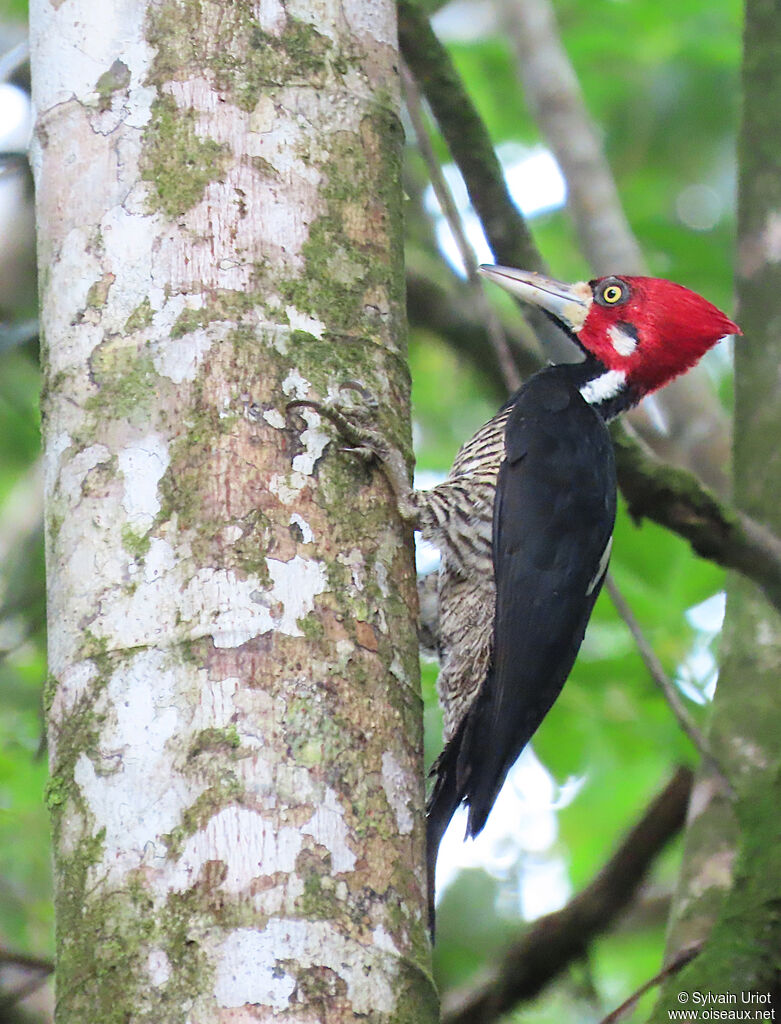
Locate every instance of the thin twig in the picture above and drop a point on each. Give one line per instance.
(512, 378)
(26, 960)
(680, 961)
(660, 677)
(20, 332)
(442, 305)
(13, 59)
(12, 162)
(9, 999)
(40, 967)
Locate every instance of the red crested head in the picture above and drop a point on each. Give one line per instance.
(643, 330)
(652, 330)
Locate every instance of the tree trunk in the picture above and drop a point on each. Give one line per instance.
(732, 862)
(234, 714)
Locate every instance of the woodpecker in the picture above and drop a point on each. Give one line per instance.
(524, 521)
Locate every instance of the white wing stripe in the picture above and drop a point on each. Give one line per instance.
(602, 568)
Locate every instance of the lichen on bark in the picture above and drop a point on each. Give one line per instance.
(728, 896)
(234, 712)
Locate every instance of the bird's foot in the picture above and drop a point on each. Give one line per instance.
(351, 419)
(354, 420)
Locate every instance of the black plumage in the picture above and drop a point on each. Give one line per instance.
(553, 516)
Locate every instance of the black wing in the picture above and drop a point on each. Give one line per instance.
(553, 521)
(554, 513)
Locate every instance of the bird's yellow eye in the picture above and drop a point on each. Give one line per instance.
(612, 293)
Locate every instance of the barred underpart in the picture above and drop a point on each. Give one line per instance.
(457, 516)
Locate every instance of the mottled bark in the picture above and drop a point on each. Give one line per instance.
(234, 714)
(732, 862)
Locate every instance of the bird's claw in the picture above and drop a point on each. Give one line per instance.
(362, 451)
(369, 400)
(350, 420)
(355, 424)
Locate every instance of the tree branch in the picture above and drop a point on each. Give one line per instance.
(467, 139)
(496, 335)
(26, 960)
(556, 940)
(451, 313)
(677, 964)
(469, 142)
(554, 96)
(677, 500)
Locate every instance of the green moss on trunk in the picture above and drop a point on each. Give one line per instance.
(742, 951)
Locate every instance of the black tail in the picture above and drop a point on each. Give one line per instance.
(464, 772)
(445, 798)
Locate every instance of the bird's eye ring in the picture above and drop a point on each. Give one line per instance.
(611, 291)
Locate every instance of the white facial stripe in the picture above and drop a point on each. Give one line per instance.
(622, 342)
(602, 389)
(601, 569)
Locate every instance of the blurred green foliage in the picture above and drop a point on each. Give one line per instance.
(25, 867)
(661, 80)
(610, 726)
(13, 11)
(26, 913)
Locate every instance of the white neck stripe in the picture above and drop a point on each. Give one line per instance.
(602, 389)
